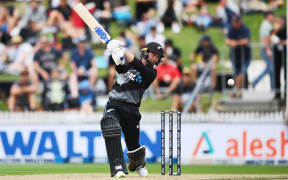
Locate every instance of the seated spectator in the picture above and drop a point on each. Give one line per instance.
(173, 53)
(141, 44)
(183, 91)
(275, 4)
(3, 57)
(225, 10)
(205, 52)
(59, 14)
(122, 13)
(20, 56)
(148, 20)
(9, 17)
(63, 18)
(48, 58)
(190, 9)
(203, 20)
(171, 13)
(86, 97)
(104, 14)
(127, 40)
(238, 39)
(194, 4)
(143, 6)
(154, 36)
(191, 6)
(83, 67)
(168, 76)
(248, 6)
(22, 94)
(33, 21)
(55, 92)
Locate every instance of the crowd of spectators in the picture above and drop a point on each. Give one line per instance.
(273, 51)
(49, 47)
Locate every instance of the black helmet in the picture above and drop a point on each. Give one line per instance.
(156, 48)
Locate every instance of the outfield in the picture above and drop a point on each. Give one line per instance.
(101, 171)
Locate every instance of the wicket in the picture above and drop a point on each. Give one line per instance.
(171, 115)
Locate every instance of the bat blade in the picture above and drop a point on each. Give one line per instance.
(92, 23)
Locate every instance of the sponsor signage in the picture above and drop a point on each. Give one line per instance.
(206, 143)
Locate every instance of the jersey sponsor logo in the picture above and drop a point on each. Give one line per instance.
(134, 76)
(138, 79)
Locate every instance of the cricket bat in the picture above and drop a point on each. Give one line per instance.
(92, 23)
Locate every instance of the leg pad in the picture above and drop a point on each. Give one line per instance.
(111, 132)
(136, 158)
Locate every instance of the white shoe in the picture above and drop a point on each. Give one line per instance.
(120, 174)
(143, 172)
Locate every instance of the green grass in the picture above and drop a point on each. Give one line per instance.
(153, 168)
(155, 105)
(8, 77)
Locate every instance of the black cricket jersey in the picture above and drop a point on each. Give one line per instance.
(132, 80)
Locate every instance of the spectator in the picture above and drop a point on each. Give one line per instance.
(192, 5)
(173, 53)
(148, 21)
(20, 56)
(22, 94)
(86, 97)
(154, 36)
(48, 58)
(2, 57)
(172, 14)
(275, 4)
(205, 52)
(182, 92)
(9, 17)
(83, 66)
(279, 40)
(168, 77)
(238, 39)
(64, 18)
(59, 14)
(248, 6)
(190, 9)
(104, 15)
(143, 6)
(33, 21)
(266, 52)
(141, 45)
(128, 42)
(203, 20)
(55, 92)
(226, 10)
(121, 13)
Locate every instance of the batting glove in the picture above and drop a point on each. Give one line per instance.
(114, 44)
(118, 56)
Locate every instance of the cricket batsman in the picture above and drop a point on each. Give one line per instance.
(122, 109)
